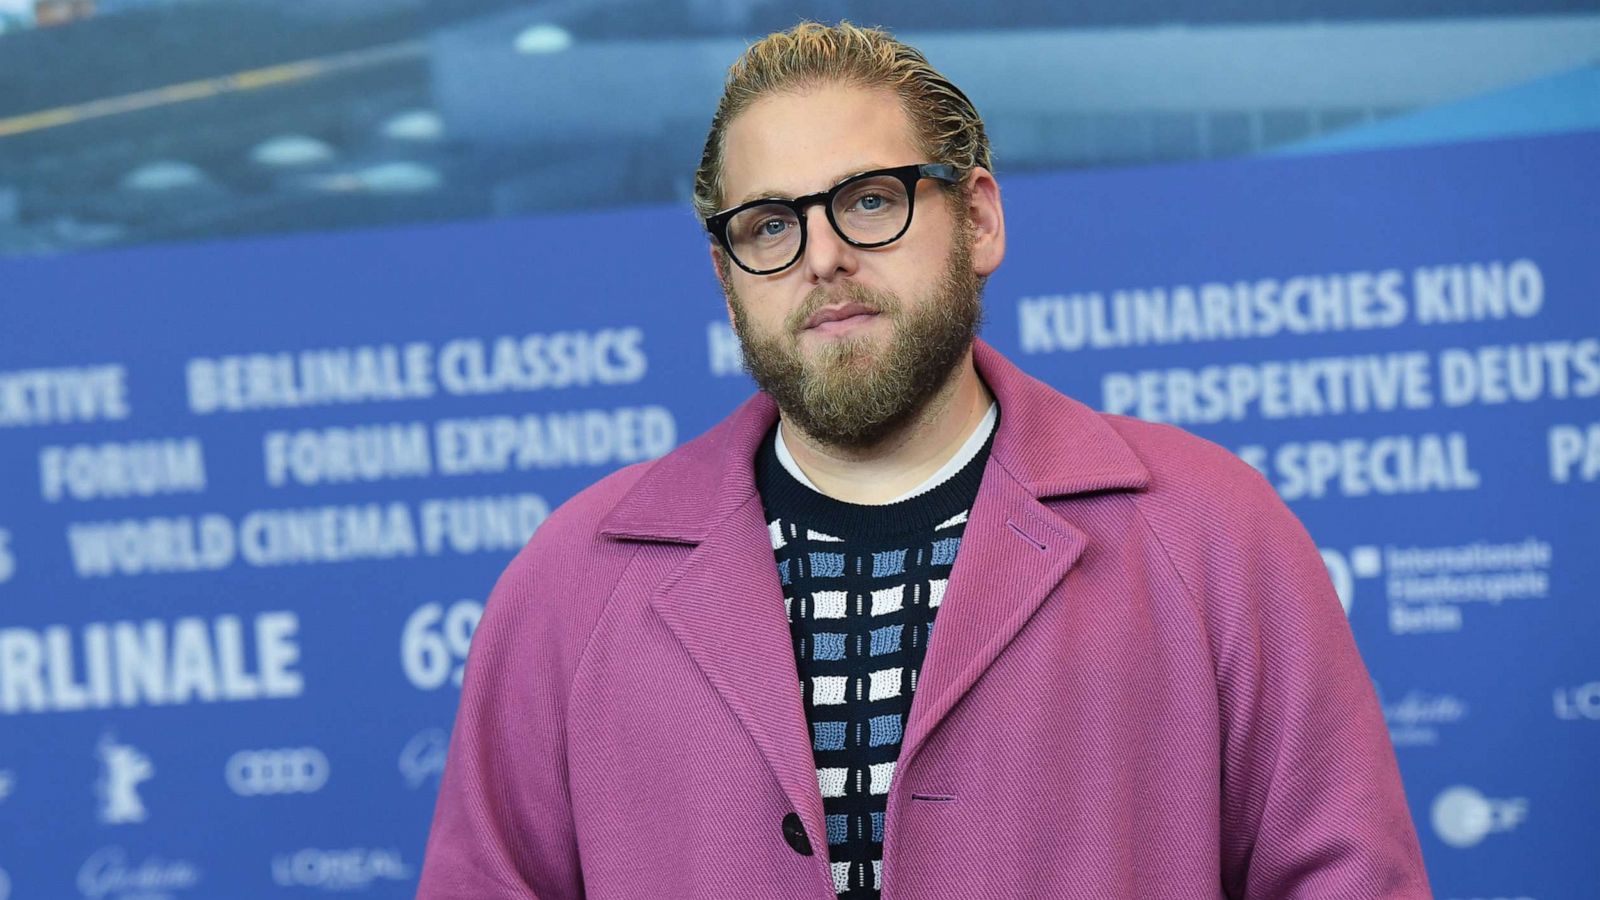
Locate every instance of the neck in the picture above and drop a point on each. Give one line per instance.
(905, 457)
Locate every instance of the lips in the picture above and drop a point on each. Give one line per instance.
(837, 313)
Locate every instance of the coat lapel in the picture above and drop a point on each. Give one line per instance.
(1013, 553)
(1015, 549)
(724, 604)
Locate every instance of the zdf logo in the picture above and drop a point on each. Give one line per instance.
(293, 770)
(1463, 817)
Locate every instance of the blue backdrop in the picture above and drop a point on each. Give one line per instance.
(255, 492)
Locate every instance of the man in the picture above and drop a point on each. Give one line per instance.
(1131, 675)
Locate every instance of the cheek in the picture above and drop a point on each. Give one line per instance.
(918, 274)
(755, 308)
(925, 249)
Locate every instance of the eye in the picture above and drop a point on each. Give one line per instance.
(771, 227)
(871, 201)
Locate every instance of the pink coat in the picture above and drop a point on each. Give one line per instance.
(1141, 686)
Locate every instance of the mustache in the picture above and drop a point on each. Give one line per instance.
(881, 302)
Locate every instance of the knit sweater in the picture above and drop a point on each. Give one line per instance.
(862, 585)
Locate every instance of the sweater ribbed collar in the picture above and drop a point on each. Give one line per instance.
(784, 496)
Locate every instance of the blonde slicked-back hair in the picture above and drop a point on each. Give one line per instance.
(945, 122)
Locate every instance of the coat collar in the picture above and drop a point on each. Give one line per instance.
(1051, 444)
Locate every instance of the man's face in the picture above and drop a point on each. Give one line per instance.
(910, 308)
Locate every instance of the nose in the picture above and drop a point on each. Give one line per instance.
(827, 257)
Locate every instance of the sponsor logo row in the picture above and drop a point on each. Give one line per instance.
(111, 873)
(127, 773)
(1419, 718)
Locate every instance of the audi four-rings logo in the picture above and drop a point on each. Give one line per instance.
(292, 770)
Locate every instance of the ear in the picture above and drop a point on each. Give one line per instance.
(988, 221)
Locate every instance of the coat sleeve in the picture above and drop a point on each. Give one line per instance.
(502, 827)
(1312, 802)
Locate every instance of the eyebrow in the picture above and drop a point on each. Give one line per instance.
(783, 195)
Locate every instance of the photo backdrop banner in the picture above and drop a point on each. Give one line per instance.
(256, 492)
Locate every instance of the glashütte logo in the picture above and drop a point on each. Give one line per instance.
(1414, 720)
(107, 874)
(1463, 817)
(122, 769)
(291, 770)
(354, 869)
(423, 756)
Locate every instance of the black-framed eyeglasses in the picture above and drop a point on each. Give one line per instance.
(866, 210)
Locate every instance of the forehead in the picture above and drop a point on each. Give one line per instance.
(797, 142)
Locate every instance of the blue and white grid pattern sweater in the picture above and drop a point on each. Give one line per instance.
(861, 586)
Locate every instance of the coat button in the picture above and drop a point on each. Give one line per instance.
(795, 833)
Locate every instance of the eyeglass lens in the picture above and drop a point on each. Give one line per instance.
(868, 211)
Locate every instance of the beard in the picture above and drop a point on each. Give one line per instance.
(851, 393)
